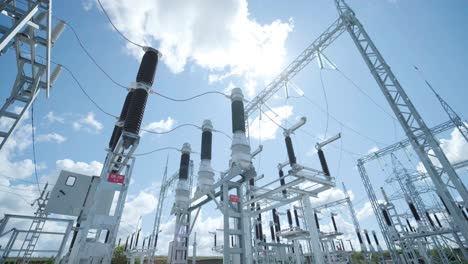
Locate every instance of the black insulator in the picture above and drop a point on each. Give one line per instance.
(277, 224)
(430, 219)
(184, 166)
(386, 217)
(131, 241)
(126, 244)
(252, 205)
(238, 119)
(351, 245)
(215, 240)
(117, 132)
(221, 197)
(342, 245)
(290, 149)
(148, 65)
(120, 240)
(290, 221)
(296, 216)
(333, 245)
(409, 225)
(334, 223)
(260, 229)
(136, 110)
(115, 137)
(144, 240)
(437, 220)
(359, 237)
(323, 162)
(414, 211)
(317, 221)
(257, 232)
(367, 237)
(272, 233)
(446, 208)
(463, 211)
(137, 238)
(107, 236)
(259, 217)
(375, 238)
(75, 233)
(149, 242)
(232, 241)
(206, 145)
(282, 182)
(156, 241)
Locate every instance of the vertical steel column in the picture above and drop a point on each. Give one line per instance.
(427, 148)
(313, 231)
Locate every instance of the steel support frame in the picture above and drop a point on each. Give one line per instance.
(427, 147)
(120, 160)
(9, 247)
(411, 194)
(28, 81)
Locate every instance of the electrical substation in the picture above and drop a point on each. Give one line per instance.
(421, 214)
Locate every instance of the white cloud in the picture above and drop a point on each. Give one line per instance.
(17, 143)
(365, 211)
(142, 204)
(51, 137)
(262, 128)
(51, 117)
(92, 168)
(373, 149)
(88, 123)
(455, 148)
(220, 36)
(161, 125)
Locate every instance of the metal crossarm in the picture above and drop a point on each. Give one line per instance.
(308, 55)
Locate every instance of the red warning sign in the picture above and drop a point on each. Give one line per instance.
(233, 198)
(116, 178)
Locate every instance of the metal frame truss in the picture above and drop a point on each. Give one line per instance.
(31, 35)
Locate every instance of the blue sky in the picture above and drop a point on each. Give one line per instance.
(429, 34)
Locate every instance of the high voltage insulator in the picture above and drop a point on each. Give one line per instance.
(316, 221)
(296, 216)
(386, 217)
(144, 80)
(205, 172)
(323, 162)
(375, 238)
(240, 147)
(282, 182)
(118, 126)
(272, 231)
(290, 221)
(367, 236)
(290, 149)
(414, 211)
(429, 218)
(334, 223)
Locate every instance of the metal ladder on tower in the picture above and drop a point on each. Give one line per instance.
(181, 239)
(32, 236)
(24, 35)
(407, 249)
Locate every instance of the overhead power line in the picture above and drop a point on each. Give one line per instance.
(116, 29)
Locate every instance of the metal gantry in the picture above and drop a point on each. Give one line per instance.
(31, 36)
(427, 147)
(456, 119)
